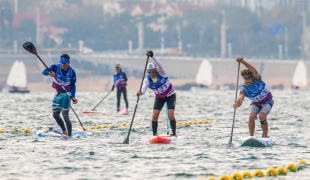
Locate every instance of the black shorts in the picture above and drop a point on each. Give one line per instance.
(159, 102)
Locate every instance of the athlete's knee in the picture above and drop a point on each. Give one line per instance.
(252, 116)
(262, 116)
(263, 122)
(65, 114)
(56, 114)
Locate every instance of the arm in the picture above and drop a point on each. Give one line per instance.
(249, 66)
(145, 85)
(160, 68)
(72, 84)
(125, 77)
(239, 101)
(53, 68)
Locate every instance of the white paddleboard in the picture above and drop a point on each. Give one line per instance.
(253, 141)
(76, 132)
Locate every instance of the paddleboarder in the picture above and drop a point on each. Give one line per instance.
(61, 102)
(255, 89)
(158, 81)
(120, 81)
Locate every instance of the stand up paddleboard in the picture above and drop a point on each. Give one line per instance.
(58, 133)
(162, 139)
(94, 112)
(253, 141)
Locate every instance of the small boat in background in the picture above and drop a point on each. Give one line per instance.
(300, 79)
(17, 79)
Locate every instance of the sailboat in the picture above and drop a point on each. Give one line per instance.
(204, 76)
(17, 79)
(300, 76)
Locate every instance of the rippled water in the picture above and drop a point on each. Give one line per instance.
(203, 151)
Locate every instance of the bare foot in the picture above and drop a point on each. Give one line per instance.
(65, 133)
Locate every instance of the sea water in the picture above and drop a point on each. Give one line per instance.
(203, 151)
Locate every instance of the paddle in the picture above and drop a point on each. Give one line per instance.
(232, 127)
(101, 100)
(126, 141)
(167, 119)
(28, 46)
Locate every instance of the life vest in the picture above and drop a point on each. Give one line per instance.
(119, 80)
(65, 81)
(262, 94)
(163, 87)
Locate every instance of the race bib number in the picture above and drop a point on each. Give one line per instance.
(161, 89)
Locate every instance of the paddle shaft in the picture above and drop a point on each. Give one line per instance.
(167, 119)
(63, 89)
(101, 100)
(126, 141)
(232, 127)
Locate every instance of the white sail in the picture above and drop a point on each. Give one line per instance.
(204, 75)
(300, 75)
(18, 75)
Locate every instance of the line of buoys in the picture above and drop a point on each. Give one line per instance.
(279, 171)
(15, 130)
(95, 127)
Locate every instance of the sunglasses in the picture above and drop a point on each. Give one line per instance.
(152, 72)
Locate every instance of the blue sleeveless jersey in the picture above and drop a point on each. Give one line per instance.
(262, 95)
(65, 81)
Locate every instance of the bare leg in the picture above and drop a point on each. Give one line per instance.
(263, 118)
(251, 123)
(155, 121)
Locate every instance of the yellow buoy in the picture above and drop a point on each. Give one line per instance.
(92, 127)
(164, 123)
(185, 123)
(98, 127)
(236, 176)
(136, 122)
(291, 167)
(281, 171)
(142, 122)
(19, 130)
(258, 173)
(180, 123)
(206, 122)
(302, 161)
(224, 177)
(104, 126)
(200, 122)
(246, 174)
(80, 127)
(211, 178)
(26, 130)
(118, 125)
(210, 121)
(271, 172)
(200, 179)
(195, 122)
(1, 131)
(190, 122)
(124, 124)
(215, 121)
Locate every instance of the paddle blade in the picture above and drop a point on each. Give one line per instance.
(28, 46)
(126, 141)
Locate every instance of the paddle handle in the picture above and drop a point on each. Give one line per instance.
(232, 127)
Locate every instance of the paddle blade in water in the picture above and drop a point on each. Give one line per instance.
(126, 141)
(28, 46)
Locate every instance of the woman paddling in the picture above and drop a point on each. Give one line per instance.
(158, 81)
(120, 81)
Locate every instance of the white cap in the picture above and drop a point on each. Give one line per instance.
(151, 67)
